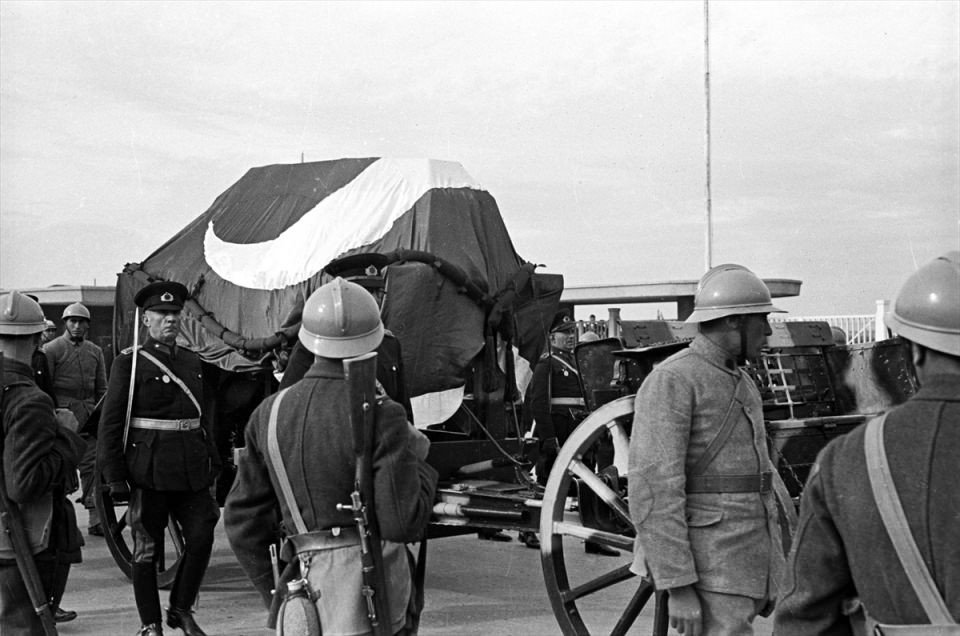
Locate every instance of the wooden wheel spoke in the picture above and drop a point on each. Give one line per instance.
(602, 490)
(596, 584)
(581, 531)
(637, 602)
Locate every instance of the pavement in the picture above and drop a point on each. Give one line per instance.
(473, 588)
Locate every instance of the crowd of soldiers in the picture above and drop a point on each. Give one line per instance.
(715, 526)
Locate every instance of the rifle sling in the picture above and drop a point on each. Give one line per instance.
(273, 449)
(895, 521)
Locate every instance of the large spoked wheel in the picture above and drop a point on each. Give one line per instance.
(116, 532)
(597, 594)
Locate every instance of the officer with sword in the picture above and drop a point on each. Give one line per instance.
(346, 526)
(156, 447)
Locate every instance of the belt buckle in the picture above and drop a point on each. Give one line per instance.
(766, 481)
(183, 425)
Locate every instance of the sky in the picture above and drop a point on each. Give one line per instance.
(835, 154)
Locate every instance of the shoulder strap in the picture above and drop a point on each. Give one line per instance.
(173, 376)
(273, 448)
(891, 511)
(726, 428)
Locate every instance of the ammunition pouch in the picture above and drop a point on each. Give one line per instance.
(37, 516)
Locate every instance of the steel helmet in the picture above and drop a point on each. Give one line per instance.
(927, 309)
(341, 320)
(20, 315)
(76, 310)
(730, 290)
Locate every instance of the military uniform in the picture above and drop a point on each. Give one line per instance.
(316, 442)
(842, 548)
(721, 542)
(389, 370)
(78, 372)
(554, 399)
(38, 456)
(170, 461)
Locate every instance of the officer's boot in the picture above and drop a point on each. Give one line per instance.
(186, 586)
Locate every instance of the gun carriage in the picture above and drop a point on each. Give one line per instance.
(472, 318)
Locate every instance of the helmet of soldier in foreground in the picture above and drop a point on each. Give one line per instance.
(341, 320)
(20, 315)
(730, 290)
(76, 310)
(927, 309)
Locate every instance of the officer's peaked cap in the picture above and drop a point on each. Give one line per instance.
(364, 269)
(162, 295)
(562, 322)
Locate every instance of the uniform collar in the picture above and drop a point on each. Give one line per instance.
(155, 345)
(325, 368)
(944, 386)
(714, 354)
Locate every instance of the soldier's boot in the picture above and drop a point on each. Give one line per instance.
(183, 619)
(153, 629)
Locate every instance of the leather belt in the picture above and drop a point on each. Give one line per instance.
(761, 483)
(566, 401)
(328, 539)
(165, 425)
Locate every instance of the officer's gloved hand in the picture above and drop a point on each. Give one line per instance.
(119, 491)
(549, 449)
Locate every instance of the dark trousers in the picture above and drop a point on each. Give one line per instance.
(149, 511)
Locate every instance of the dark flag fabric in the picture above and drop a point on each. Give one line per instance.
(252, 258)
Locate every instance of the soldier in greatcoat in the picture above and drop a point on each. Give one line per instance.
(40, 455)
(315, 444)
(164, 458)
(842, 550)
(702, 489)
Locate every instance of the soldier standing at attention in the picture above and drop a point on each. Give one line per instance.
(843, 549)
(315, 447)
(554, 402)
(78, 373)
(702, 489)
(162, 456)
(39, 454)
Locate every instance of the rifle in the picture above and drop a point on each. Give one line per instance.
(360, 374)
(13, 524)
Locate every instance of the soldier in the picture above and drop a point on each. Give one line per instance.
(369, 271)
(162, 456)
(39, 453)
(554, 402)
(701, 483)
(842, 548)
(78, 373)
(49, 332)
(315, 441)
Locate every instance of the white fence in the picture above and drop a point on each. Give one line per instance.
(859, 328)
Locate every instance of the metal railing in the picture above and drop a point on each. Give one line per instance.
(859, 328)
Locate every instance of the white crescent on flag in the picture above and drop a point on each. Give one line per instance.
(357, 214)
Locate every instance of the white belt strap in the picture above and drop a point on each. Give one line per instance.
(188, 424)
(891, 511)
(273, 448)
(566, 401)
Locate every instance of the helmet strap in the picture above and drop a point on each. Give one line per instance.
(742, 358)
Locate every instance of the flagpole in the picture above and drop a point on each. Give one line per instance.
(708, 255)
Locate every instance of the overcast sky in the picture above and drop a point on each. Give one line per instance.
(834, 124)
